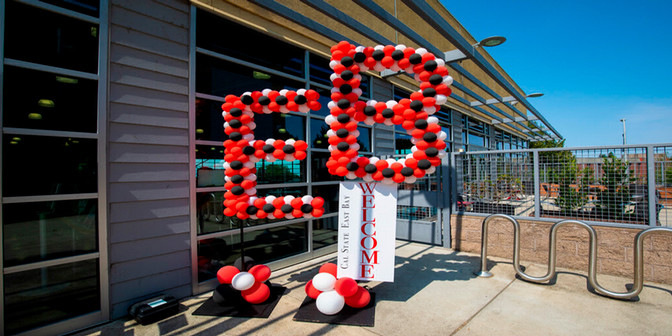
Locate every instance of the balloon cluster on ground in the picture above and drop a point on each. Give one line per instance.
(242, 151)
(413, 114)
(332, 293)
(250, 284)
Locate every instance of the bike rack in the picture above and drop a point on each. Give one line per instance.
(592, 256)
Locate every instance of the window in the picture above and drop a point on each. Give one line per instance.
(252, 61)
(52, 108)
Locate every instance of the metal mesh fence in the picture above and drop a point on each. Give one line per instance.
(416, 213)
(601, 184)
(663, 171)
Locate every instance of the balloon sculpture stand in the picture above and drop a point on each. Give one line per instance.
(336, 300)
(244, 289)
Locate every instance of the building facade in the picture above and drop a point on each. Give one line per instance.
(112, 157)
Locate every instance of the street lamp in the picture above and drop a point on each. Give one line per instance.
(491, 41)
(623, 121)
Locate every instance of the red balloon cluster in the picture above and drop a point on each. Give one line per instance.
(333, 293)
(413, 114)
(250, 284)
(242, 151)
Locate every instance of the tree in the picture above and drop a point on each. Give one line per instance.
(616, 179)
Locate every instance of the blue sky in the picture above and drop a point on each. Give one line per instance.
(595, 61)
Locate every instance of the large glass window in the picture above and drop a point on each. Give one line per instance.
(42, 100)
(41, 165)
(52, 138)
(50, 294)
(49, 38)
(232, 64)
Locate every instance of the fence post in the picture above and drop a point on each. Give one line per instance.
(537, 184)
(651, 185)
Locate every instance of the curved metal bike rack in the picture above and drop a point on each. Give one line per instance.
(592, 255)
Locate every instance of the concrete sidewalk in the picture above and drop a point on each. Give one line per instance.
(436, 293)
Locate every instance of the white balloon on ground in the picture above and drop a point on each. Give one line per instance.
(242, 281)
(324, 281)
(329, 302)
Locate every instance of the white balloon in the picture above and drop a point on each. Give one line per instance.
(324, 281)
(301, 91)
(242, 281)
(448, 80)
(421, 51)
(433, 120)
(332, 64)
(265, 92)
(288, 199)
(269, 199)
(367, 178)
(359, 48)
(307, 199)
(351, 176)
(330, 302)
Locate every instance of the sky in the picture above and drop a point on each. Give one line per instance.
(595, 61)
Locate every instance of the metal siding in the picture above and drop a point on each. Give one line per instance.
(148, 141)
(142, 134)
(141, 268)
(383, 135)
(137, 289)
(139, 172)
(138, 115)
(151, 228)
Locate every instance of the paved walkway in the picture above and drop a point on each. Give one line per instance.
(436, 293)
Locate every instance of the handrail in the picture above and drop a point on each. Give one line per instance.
(638, 251)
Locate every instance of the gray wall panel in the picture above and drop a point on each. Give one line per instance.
(151, 228)
(137, 289)
(122, 54)
(134, 250)
(141, 22)
(133, 211)
(138, 172)
(148, 153)
(173, 12)
(148, 139)
(140, 268)
(121, 308)
(141, 134)
(148, 191)
(140, 115)
(383, 135)
(139, 96)
(134, 76)
(138, 40)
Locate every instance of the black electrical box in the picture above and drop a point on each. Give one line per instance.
(154, 309)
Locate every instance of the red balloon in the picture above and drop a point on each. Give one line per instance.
(346, 286)
(317, 202)
(261, 273)
(226, 273)
(360, 299)
(330, 268)
(258, 293)
(311, 291)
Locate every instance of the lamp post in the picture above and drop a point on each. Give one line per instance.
(623, 121)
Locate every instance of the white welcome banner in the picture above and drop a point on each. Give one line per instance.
(367, 223)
